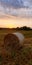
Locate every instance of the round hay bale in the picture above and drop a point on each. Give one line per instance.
(11, 41)
(14, 40)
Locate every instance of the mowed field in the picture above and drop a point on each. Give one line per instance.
(22, 56)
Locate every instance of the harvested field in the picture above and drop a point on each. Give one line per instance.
(20, 56)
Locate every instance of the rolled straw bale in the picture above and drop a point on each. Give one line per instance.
(11, 40)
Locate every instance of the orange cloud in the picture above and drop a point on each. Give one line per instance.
(15, 22)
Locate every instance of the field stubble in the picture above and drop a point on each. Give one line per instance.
(21, 56)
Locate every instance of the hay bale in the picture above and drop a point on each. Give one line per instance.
(13, 40)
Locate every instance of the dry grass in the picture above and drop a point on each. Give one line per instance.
(19, 56)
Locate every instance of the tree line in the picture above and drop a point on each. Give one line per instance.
(18, 28)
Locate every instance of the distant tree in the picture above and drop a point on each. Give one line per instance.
(17, 28)
(26, 28)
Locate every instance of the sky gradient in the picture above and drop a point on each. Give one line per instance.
(15, 13)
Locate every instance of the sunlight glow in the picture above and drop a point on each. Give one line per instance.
(15, 22)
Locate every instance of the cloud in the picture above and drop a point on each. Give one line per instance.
(6, 9)
(16, 3)
(27, 3)
(22, 12)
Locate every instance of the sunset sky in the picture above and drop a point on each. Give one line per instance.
(15, 13)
